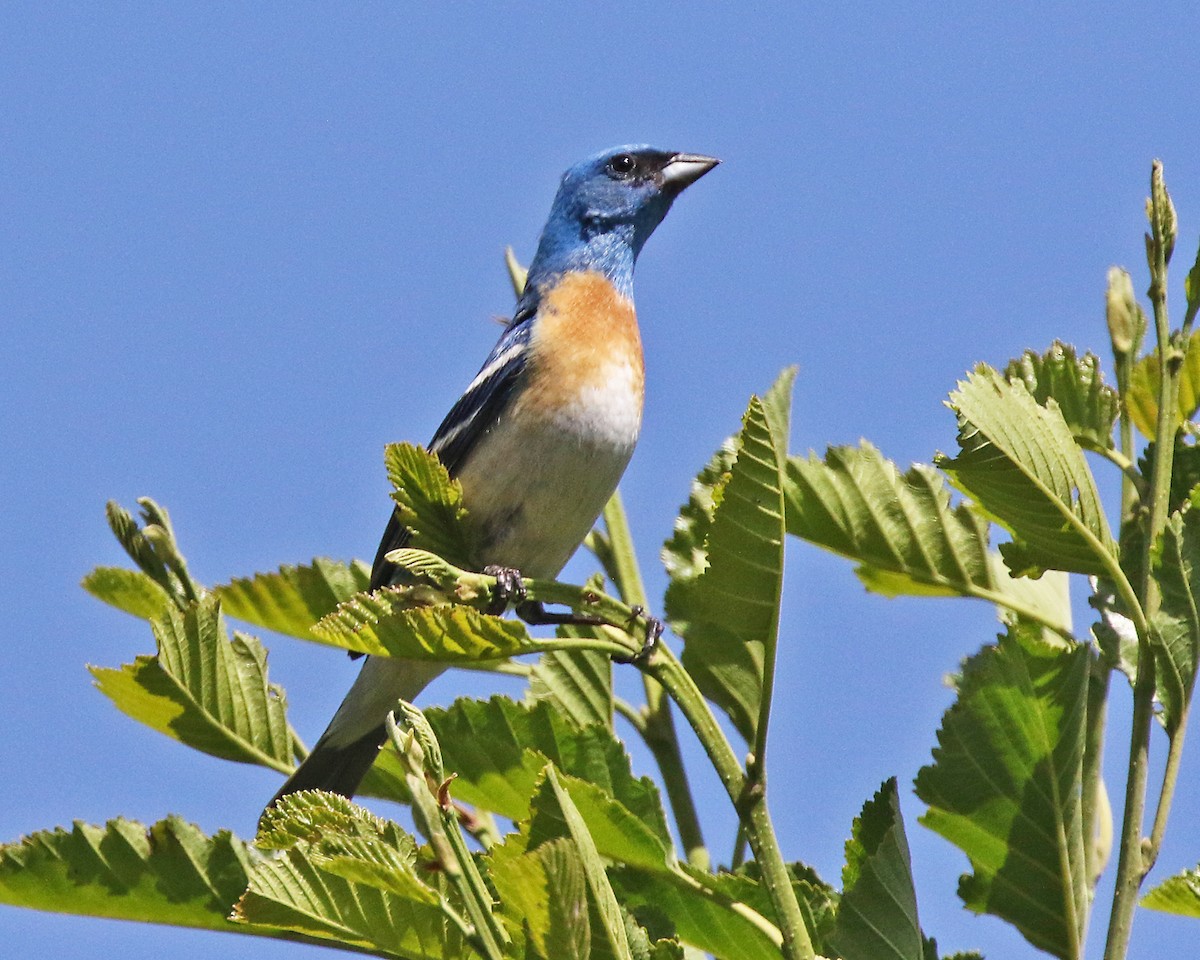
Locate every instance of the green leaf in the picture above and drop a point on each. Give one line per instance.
(345, 876)
(562, 901)
(727, 613)
(877, 918)
(1142, 398)
(900, 528)
(348, 841)
(684, 555)
(130, 590)
(669, 907)
(385, 623)
(170, 873)
(577, 682)
(1021, 466)
(429, 503)
(498, 749)
(1006, 783)
(292, 599)
(205, 690)
(1191, 289)
(556, 816)
(1175, 629)
(1076, 385)
(1178, 894)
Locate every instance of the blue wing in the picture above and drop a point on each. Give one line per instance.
(475, 413)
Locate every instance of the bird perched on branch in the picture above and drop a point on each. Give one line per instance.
(543, 433)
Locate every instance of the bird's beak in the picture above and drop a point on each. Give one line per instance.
(684, 169)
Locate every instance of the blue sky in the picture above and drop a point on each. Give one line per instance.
(247, 245)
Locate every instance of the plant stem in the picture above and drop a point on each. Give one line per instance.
(748, 799)
(658, 724)
(1132, 864)
(440, 825)
(1167, 792)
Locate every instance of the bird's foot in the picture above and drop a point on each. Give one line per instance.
(510, 588)
(654, 632)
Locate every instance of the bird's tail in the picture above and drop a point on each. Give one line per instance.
(335, 768)
(349, 745)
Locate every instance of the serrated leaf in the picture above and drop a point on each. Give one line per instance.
(348, 841)
(728, 613)
(1178, 894)
(556, 816)
(1144, 382)
(133, 591)
(292, 599)
(1006, 783)
(577, 682)
(294, 893)
(1175, 629)
(1191, 290)
(877, 919)
(385, 623)
(900, 528)
(429, 503)
(1019, 463)
(684, 555)
(205, 690)
(169, 873)
(568, 934)
(668, 907)
(498, 748)
(1076, 385)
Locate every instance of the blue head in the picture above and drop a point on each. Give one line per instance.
(606, 208)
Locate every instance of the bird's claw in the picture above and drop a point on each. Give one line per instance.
(510, 588)
(654, 632)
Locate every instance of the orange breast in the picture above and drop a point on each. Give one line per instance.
(585, 345)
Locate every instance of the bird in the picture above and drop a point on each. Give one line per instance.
(543, 433)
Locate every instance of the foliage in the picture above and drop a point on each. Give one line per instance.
(587, 866)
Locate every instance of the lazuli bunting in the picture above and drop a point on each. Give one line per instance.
(544, 431)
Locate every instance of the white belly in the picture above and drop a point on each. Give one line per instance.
(536, 483)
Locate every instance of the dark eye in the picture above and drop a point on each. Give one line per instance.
(622, 165)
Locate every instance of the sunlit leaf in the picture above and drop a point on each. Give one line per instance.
(293, 598)
(429, 502)
(497, 749)
(1006, 783)
(1178, 894)
(900, 528)
(205, 690)
(1142, 398)
(1077, 387)
(1175, 631)
(727, 612)
(668, 907)
(346, 877)
(385, 623)
(555, 816)
(169, 873)
(1019, 463)
(133, 591)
